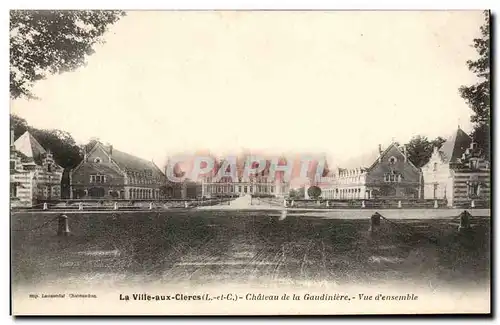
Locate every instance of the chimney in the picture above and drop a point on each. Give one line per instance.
(111, 150)
(380, 149)
(84, 150)
(405, 153)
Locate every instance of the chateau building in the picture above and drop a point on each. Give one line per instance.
(257, 186)
(457, 172)
(380, 174)
(112, 174)
(261, 184)
(34, 175)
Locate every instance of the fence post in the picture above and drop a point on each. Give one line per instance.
(327, 204)
(293, 203)
(464, 221)
(185, 204)
(363, 204)
(45, 207)
(62, 225)
(150, 205)
(80, 206)
(285, 203)
(472, 204)
(374, 222)
(436, 204)
(399, 205)
(115, 206)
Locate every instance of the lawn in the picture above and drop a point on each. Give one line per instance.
(245, 247)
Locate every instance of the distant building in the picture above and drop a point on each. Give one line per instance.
(34, 175)
(112, 174)
(261, 184)
(379, 174)
(457, 172)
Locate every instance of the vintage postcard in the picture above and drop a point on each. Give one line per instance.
(250, 162)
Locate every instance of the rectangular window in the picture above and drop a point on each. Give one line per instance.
(97, 179)
(392, 178)
(473, 189)
(13, 190)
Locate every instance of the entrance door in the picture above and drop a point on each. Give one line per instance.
(96, 192)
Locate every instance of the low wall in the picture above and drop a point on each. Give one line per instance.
(381, 204)
(124, 204)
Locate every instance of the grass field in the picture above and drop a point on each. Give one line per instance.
(245, 247)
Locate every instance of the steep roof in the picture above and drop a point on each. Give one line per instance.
(454, 147)
(126, 161)
(30, 147)
(368, 159)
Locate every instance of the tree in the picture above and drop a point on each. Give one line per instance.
(477, 96)
(296, 193)
(52, 41)
(314, 192)
(301, 193)
(419, 149)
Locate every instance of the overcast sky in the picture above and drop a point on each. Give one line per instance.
(333, 82)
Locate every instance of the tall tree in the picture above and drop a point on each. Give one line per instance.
(52, 41)
(477, 96)
(419, 149)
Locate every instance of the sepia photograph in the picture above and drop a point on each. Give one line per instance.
(250, 162)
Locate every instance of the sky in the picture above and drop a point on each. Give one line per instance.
(338, 83)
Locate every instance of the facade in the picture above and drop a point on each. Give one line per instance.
(378, 175)
(261, 184)
(111, 174)
(256, 186)
(34, 175)
(457, 172)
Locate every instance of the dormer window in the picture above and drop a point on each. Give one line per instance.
(435, 168)
(97, 160)
(474, 164)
